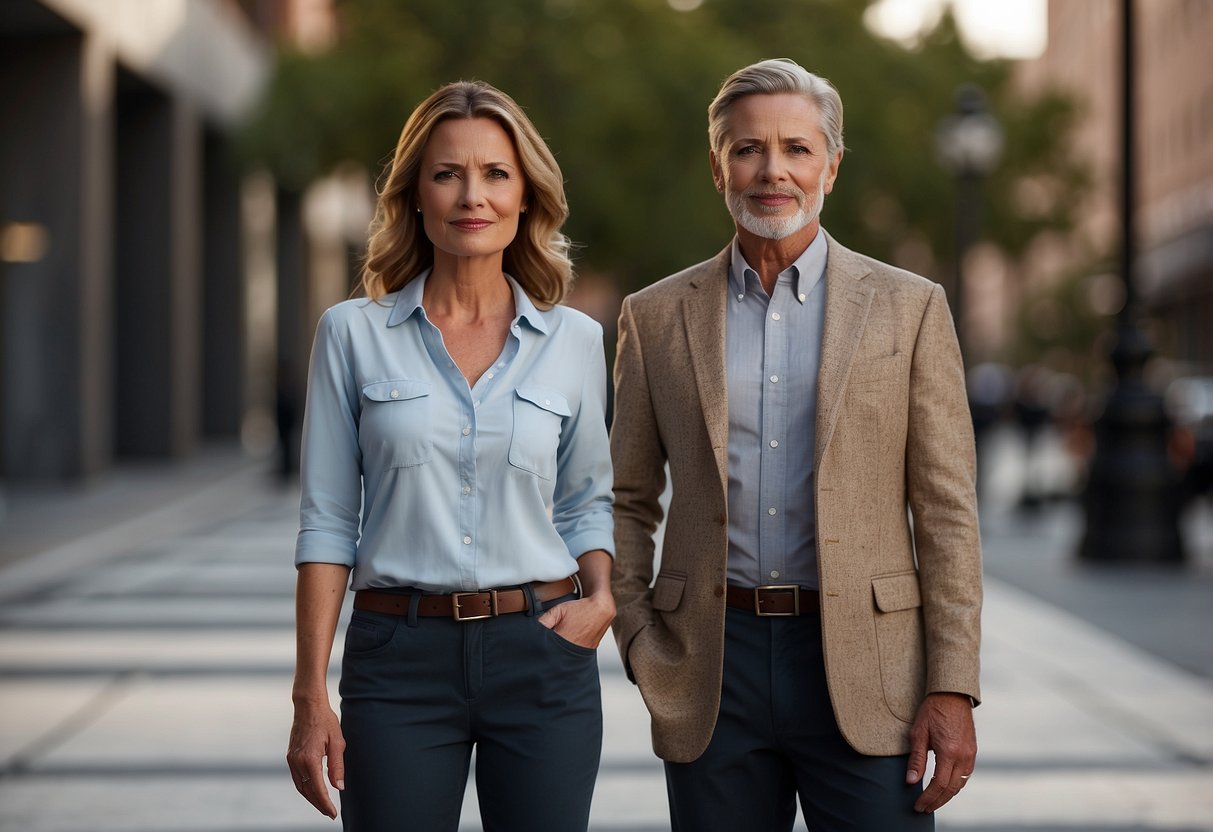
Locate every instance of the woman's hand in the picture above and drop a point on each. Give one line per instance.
(315, 735)
(586, 620)
(316, 731)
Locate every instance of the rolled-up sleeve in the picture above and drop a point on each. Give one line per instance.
(331, 462)
(582, 500)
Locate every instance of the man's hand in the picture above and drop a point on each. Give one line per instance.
(944, 725)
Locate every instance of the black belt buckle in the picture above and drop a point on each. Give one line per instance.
(793, 588)
(456, 607)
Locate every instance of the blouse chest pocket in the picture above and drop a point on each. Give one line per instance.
(539, 414)
(396, 430)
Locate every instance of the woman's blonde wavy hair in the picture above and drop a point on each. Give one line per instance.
(399, 250)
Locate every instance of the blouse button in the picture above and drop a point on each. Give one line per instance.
(395, 394)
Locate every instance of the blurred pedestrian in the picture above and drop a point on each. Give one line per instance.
(801, 637)
(456, 475)
(1033, 413)
(989, 389)
(286, 419)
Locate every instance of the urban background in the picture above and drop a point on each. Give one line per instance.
(185, 185)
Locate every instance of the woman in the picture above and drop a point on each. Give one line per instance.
(456, 476)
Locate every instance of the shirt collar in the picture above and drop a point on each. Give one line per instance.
(525, 309)
(806, 270)
(408, 301)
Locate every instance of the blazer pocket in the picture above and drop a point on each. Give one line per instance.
(395, 428)
(539, 414)
(897, 592)
(667, 591)
(897, 599)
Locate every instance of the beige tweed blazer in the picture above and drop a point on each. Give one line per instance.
(900, 595)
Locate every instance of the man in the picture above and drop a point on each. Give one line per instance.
(813, 627)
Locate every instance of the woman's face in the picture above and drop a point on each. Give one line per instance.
(470, 188)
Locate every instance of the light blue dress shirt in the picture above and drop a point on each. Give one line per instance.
(414, 479)
(773, 351)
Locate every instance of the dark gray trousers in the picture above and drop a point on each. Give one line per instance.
(776, 738)
(416, 696)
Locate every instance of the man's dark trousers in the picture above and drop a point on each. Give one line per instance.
(776, 738)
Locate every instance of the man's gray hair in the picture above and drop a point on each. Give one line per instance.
(771, 77)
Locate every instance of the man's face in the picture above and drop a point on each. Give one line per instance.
(774, 169)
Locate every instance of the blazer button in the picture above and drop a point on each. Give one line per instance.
(724, 521)
(719, 591)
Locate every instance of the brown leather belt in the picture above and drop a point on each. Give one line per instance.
(775, 600)
(465, 606)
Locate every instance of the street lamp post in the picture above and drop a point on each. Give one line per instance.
(969, 145)
(1131, 498)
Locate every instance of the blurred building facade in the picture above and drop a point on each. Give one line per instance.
(124, 287)
(1174, 105)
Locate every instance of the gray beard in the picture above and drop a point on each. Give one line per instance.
(773, 228)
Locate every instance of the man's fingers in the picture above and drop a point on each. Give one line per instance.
(935, 796)
(916, 766)
(941, 789)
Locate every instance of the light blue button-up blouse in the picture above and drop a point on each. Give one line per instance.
(414, 479)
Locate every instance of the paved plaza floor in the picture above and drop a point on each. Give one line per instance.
(145, 672)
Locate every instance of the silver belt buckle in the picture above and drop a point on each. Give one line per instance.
(456, 606)
(793, 588)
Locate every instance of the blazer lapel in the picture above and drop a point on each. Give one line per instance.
(848, 300)
(703, 312)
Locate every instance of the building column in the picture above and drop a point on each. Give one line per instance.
(223, 289)
(157, 301)
(54, 267)
(294, 334)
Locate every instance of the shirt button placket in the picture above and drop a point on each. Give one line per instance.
(467, 466)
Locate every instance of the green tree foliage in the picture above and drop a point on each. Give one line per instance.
(620, 89)
(1065, 325)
